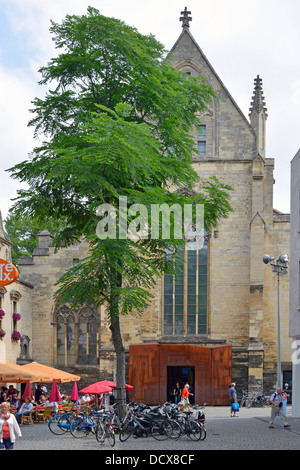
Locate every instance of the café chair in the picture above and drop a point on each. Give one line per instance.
(26, 419)
(47, 413)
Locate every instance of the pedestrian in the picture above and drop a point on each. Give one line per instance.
(232, 398)
(9, 428)
(277, 408)
(185, 397)
(177, 393)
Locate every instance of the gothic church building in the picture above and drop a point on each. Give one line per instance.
(218, 321)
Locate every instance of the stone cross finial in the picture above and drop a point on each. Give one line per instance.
(185, 18)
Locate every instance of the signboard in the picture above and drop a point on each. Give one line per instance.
(8, 272)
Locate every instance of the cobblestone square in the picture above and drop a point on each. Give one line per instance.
(249, 431)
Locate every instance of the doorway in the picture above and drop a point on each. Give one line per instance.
(181, 374)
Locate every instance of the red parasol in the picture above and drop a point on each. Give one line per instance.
(97, 388)
(112, 384)
(74, 396)
(27, 391)
(54, 394)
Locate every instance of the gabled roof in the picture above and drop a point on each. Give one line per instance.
(186, 31)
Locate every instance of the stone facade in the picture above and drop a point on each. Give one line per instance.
(15, 298)
(241, 308)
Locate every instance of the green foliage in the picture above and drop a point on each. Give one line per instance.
(23, 231)
(118, 123)
(23, 234)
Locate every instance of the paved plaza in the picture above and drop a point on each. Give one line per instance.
(249, 431)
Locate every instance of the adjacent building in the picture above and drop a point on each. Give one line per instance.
(295, 278)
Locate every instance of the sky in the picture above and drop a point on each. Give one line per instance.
(240, 38)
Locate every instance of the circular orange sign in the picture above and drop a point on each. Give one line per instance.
(8, 272)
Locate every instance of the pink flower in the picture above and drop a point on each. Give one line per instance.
(16, 336)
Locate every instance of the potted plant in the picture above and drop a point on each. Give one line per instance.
(16, 316)
(2, 313)
(2, 333)
(15, 336)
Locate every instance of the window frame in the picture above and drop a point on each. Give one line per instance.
(185, 310)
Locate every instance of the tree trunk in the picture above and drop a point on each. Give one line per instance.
(120, 353)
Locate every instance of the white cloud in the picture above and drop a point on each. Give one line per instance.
(241, 39)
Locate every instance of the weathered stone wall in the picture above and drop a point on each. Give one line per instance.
(242, 305)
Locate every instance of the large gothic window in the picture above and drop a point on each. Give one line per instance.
(76, 336)
(185, 294)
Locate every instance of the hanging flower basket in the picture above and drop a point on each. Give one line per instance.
(17, 316)
(2, 313)
(15, 336)
(2, 333)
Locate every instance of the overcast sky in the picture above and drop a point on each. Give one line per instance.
(240, 38)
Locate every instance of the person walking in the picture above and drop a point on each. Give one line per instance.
(9, 428)
(232, 398)
(185, 397)
(277, 408)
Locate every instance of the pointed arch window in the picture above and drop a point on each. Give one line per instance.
(77, 337)
(87, 338)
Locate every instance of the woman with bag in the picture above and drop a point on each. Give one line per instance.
(185, 397)
(233, 400)
(9, 428)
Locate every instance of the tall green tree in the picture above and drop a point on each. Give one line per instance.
(118, 124)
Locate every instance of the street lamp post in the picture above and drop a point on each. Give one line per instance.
(280, 268)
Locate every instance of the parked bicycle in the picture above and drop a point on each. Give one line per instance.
(146, 424)
(181, 422)
(244, 399)
(189, 426)
(61, 423)
(83, 424)
(258, 401)
(104, 429)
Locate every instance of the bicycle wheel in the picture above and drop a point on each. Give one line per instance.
(126, 431)
(161, 430)
(110, 435)
(59, 425)
(100, 432)
(79, 429)
(194, 430)
(203, 432)
(177, 430)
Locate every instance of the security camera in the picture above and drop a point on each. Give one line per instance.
(284, 258)
(267, 259)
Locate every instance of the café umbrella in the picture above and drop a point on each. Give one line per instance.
(74, 395)
(14, 373)
(48, 374)
(54, 394)
(96, 388)
(112, 384)
(27, 391)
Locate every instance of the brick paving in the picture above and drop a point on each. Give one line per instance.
(249, 431)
